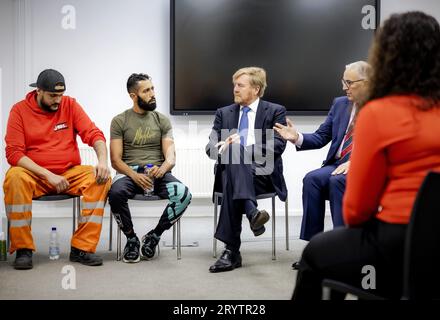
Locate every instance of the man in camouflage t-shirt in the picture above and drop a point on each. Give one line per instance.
(141, 136)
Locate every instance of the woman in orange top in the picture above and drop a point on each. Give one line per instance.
(397, 143)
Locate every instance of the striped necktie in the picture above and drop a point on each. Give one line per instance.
(347, 145)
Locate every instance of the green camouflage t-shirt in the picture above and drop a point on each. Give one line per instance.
(142, 135)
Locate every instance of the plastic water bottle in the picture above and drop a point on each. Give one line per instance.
(54, 245)
(149, 191)
(2, 247)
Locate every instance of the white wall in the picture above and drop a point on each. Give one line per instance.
(111, 40)
(7, 78)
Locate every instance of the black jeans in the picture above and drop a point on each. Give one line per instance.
(371, 255)
(167, 187)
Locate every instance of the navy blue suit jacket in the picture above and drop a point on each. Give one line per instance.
(267, 115)
(333, 129)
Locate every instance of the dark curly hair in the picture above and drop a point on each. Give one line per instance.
(405, 58)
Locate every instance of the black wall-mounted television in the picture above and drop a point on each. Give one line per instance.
(303, 45)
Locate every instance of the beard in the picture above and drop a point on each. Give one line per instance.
(147, 105)
(48, 108)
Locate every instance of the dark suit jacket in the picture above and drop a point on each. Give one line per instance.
(333, 129)
(267, 115)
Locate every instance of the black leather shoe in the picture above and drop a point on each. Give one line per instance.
(259, 231)
(228, 261)
(23, 259)
(83, 257)
(259, 218)
(295, 265)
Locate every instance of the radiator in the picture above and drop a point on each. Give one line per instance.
(193, 168)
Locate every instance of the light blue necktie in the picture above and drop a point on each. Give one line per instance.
(243, 127)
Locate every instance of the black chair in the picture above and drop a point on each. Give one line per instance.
(421, 279)
(58, 197)
(141, 197)
(272, 196)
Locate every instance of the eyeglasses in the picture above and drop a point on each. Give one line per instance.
(348, 83)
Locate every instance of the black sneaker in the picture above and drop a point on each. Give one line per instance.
(149, 243)
(86, 258)
(131, 250)
(23, 259)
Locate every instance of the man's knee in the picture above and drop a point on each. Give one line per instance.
(107, 185)
(117, 193)
(15, 178)
(179, 195)
(337, 181)
(90, 177)
(311, 179)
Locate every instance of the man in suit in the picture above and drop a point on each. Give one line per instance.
(328, 182)
(248, 155)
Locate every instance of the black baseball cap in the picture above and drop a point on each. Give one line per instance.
(50, 80)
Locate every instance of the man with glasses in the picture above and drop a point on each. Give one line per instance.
(328, 182)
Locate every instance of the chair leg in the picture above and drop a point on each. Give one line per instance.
(286, 205)
(78, 211)
(273, 228)
(110, 236)
(118, 245)
(8, 240)
(214, 241)
(179, 244)
(326, 292)
(74, 215)
(174, 234)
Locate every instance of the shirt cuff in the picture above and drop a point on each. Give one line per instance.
(300, 140)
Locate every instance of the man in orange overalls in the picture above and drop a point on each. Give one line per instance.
(43, 153)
